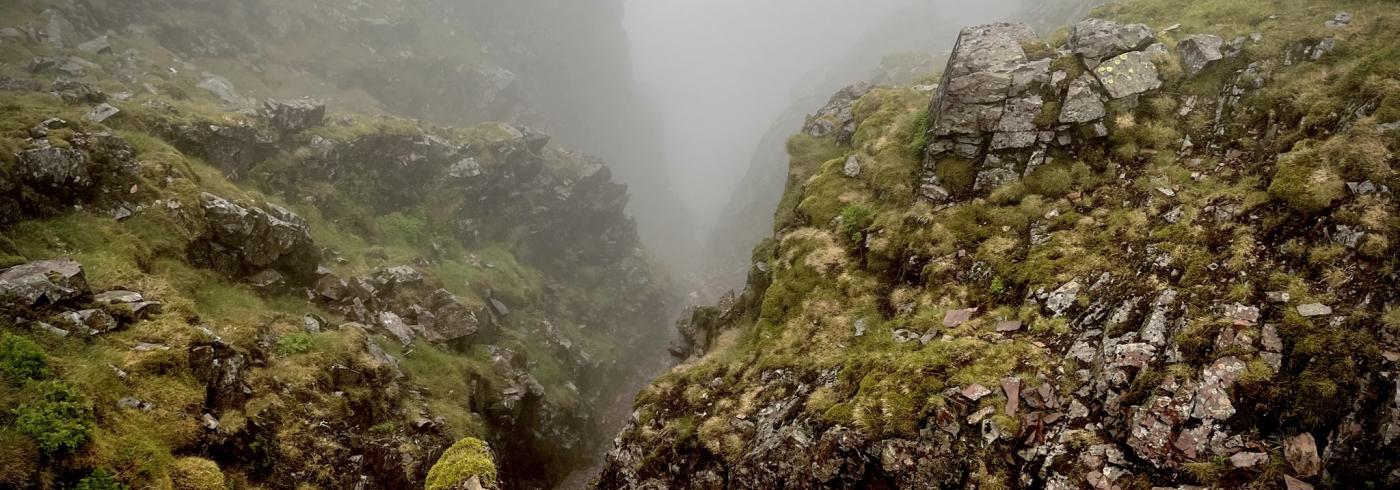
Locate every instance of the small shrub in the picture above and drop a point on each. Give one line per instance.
(57, 417)
(854, 220)
(192, 473)
(99, 480)
(294, 343)
(998, 286)
(469, 457)
(22, 360)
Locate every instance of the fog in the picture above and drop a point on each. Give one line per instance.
(722, 71)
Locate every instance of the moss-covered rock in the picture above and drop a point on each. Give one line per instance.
(193, 473)
(467, 459)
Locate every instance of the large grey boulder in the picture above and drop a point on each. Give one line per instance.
(290, 117)
(451, 322)
(1198, 51)
(44, 281)
(1095, 40)
(55, 168)
(243, 241)
(74, 92)
(1128, 74)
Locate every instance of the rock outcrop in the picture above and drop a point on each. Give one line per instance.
(992, 120)
(836, 118)
(243, 241)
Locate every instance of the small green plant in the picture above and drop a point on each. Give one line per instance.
(56, 416)
(469, 457)
(22, 360)
(997, 287)
(294, 343)
(854, 220)
(99, 480)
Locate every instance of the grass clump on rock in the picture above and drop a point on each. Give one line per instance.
(193, 473)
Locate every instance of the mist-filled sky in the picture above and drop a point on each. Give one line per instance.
(722, 71)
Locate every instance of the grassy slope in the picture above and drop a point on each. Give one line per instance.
(146, 253)
(828, 273)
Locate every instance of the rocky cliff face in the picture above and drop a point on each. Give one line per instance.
(204, 289)
(1151, 251)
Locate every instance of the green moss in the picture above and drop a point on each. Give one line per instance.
(469, 457)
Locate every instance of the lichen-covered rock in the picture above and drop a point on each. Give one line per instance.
(1128, 74)
(63, 170)
(243, 241)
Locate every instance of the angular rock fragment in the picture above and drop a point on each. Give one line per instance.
(1095, 40)
(1314, 309)
(1198, 51)
(1302, 456)
(1083, 104)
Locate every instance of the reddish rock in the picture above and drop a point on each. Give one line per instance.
(1301, 453)
(975, 392)
(1296, 484)
(956, 318)
(1012, 387)
(1249, 459)
(1006, 326)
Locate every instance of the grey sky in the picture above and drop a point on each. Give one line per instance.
(722, 71)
